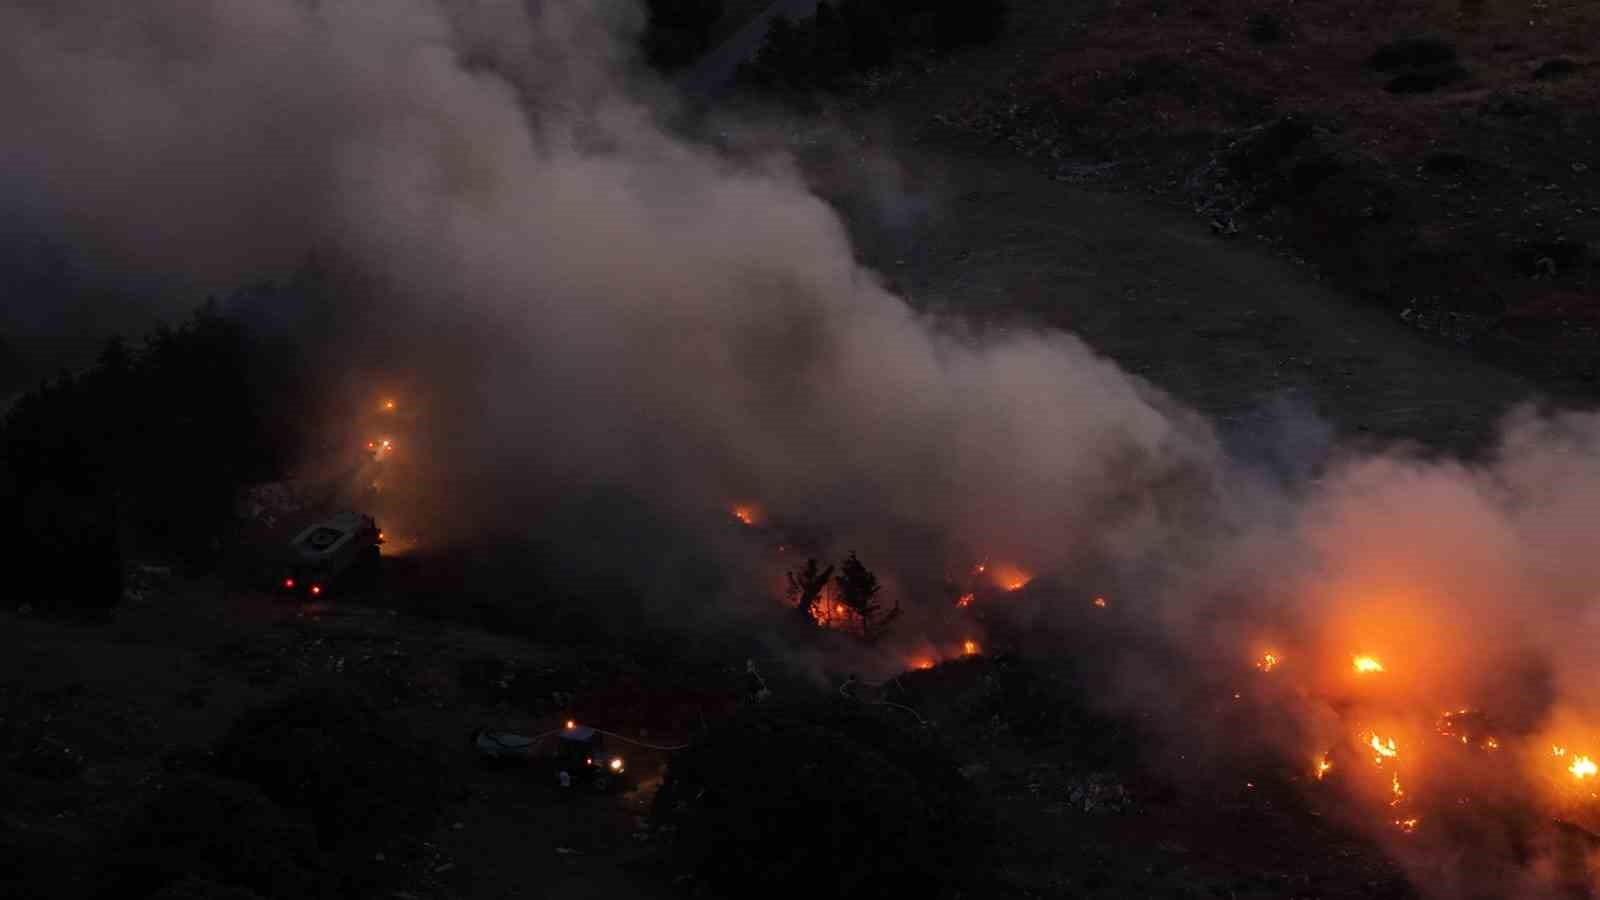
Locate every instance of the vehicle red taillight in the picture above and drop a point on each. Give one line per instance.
(316, 590)
(288, 583)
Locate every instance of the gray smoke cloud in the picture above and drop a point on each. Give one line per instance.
(634, 307)
(573, 296)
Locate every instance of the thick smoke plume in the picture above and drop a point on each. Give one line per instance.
(574, 298)
(594, 300)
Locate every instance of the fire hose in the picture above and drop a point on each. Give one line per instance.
(845, 692)
(647, 746)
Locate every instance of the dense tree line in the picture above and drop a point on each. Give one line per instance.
(851, 36)
(151, 440)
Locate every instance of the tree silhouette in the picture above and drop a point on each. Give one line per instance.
(806, 587)
(858, 590)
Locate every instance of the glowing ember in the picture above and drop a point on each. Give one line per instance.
(571, 724)
(1323, 765)
(388, 406)
(1365, 664)
(970, 648)
(1268, 661)
(1407, 825)
(964, 601)
(1558, 751)
(1384, 749)
(1583, 767)
(1395, 789)
(1491, 743)
(1100, 602)
(745, 514)
(979, 569)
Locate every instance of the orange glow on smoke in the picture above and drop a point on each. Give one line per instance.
(1005, 576)
(922, 663)
(970, 648)
(388, 406)
(1366, 664)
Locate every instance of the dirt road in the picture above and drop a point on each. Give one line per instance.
(715, 70)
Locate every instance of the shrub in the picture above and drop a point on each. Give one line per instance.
(678, 31)
(217, 831)
(1551, 69)
(856, 35)
(360, 778)
(822, 801)
(1264, 28)
(1413, 52)
(1425, 80)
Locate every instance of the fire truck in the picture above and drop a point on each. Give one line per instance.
(336, 550)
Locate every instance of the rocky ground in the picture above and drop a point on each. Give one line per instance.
(102, 721)
(1435, 160)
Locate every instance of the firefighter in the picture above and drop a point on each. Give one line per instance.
(755, 686)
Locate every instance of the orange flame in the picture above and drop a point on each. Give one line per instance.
(1583, 767)
(964, 601)
(1365, 664)
(746, 514)
(1323, 765)
(1407, 825)
(388, 406)
(1100, 602)
(1395, 789)
(1268, 661)
(922, 663)
(1385, 749)
(970, 648)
